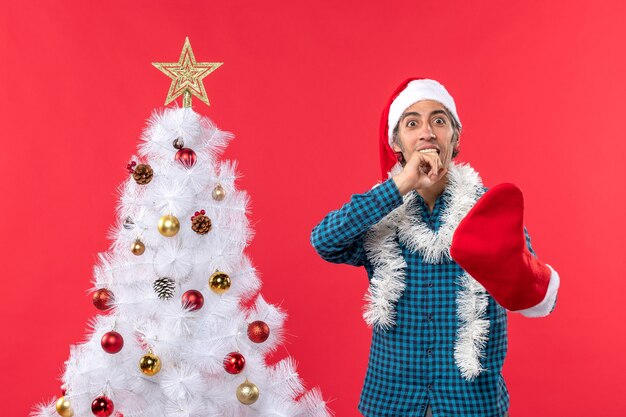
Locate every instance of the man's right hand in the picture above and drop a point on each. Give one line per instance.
(422, 170)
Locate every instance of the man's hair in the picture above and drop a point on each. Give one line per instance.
(455, 136)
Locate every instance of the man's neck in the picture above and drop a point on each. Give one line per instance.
(431, 193)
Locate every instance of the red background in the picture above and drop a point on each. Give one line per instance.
(539, 88)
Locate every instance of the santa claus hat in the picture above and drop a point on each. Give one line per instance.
(409, 92)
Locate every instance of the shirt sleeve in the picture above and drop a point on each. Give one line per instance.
(338, 238)
(547, 305)
(530, 248)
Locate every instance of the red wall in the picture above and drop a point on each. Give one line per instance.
(539, 88)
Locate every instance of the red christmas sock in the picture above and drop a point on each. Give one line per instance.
(490, 245)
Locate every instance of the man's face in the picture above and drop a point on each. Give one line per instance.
(426, 124)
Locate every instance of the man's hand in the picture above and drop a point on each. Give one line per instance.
(422, 170)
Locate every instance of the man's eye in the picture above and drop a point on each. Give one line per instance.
(412, 123)
(440, 121)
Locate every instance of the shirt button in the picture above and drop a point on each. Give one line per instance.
(430, 283)
(429, 386)
(429, 351)
(429, 317)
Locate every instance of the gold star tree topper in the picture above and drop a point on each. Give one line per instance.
(187, 75)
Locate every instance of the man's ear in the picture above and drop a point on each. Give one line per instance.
(455, 147)
(457, 142)
(395, 146)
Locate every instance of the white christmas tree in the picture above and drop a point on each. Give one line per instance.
(175, 338)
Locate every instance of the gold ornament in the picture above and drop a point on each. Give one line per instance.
(150, 364)
(169, 225)
(138, 248)
(64, 408)
(219, 282)
(187, 75)
(247, 393)
(219, 193)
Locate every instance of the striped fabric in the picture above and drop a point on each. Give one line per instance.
(412, 364)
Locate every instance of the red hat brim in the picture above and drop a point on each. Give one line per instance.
(388, 157)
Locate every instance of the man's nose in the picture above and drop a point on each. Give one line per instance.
(426, 132)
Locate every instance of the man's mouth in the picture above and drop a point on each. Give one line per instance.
(429, 150)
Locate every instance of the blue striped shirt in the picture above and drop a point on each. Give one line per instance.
(412, 364)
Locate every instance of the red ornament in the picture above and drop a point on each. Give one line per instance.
(258, 331)
(131, 167)
(198, 213)
(112, 342)
(193, 300)
(234, 363)
(102, 299)
(102, 407)
(187, 157)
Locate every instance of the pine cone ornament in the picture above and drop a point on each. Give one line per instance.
(200, 223)
(143, 174)
(164, 287)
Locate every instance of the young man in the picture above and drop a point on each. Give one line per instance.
(445, 259)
